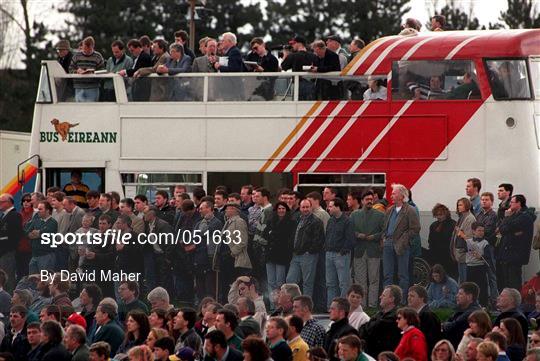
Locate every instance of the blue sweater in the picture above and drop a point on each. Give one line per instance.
(436, 296)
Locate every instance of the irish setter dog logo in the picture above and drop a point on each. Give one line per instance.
(62, 128)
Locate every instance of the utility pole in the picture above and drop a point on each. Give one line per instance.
(192, 24)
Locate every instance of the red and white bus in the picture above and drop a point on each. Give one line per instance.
(458, 105)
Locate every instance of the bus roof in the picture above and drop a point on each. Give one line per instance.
(377, 57)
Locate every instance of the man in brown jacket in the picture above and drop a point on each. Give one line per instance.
(401, 224)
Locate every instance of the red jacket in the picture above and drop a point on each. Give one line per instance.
(532, 284)
(413, 344)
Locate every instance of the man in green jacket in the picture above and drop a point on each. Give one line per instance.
(39, 230)
(107, 329)
(350, 349)
(75, 342)
(368, 225)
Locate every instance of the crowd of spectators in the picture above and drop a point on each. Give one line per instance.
(223, 55)
(273, 266)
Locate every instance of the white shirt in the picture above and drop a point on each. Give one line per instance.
(358, 317)
(380, 94)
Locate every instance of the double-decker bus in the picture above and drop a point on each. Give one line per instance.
(457, 105)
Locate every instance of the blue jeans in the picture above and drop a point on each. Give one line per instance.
(87, 95)
(389, 259)
(338, 275)
(45, 262)
(302, 271)
(276, 275)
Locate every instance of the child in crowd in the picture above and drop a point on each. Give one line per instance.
(476, 263)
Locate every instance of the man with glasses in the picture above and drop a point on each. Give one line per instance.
(11, 233)
(266, 62)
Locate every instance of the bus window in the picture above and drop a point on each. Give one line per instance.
(535, 76)
(508, 79)
(44, 89)
(82, 89)
(155, 88)
(434, 80)
(342, 87)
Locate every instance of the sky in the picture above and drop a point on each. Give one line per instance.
(45, 10)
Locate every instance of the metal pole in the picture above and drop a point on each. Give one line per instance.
(192, 25)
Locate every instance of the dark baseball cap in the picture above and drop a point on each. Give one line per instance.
(335, 38)
(298, 39)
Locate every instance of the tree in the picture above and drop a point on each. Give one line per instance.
(457, 18)
(108, 20)
(313, 19)
(17, 99)
(521, 14)
(370, 20)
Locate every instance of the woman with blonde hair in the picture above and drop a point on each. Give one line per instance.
(487, 351)
(140, 353)
(443, 351)
(154, 335)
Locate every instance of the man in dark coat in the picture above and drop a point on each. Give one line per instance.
(11, 232)
(516, 229)
(108, 330)
(52, 348)
(157, 260)
(140, 90)
(215, 347)
(381, 332)
(231, 51)
(467, 303)
(430, 325)
(508, 303)
(339, 312)
(327, 61)
(229, 88)
(15, 340)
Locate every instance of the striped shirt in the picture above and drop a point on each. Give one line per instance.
(81, 61)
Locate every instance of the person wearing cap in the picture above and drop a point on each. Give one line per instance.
(297, 61)
(76, 319)
(333, 43)
(63, 50)
(234, 258)
(184, 354)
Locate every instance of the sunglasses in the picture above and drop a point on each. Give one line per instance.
(26, 200)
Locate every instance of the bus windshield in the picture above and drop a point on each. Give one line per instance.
(508, 79)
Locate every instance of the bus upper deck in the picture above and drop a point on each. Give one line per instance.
(305, 129)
